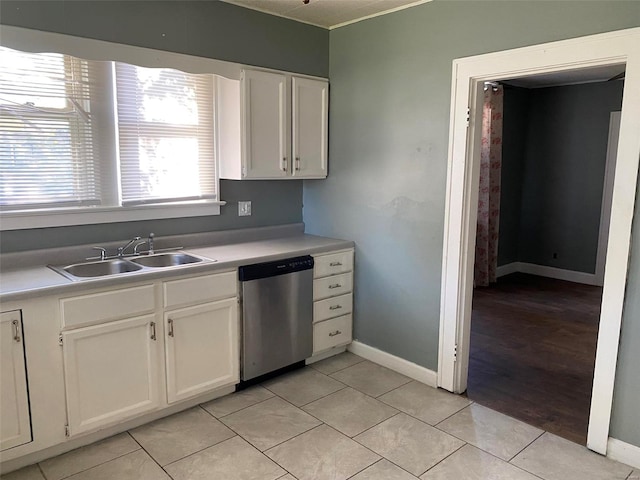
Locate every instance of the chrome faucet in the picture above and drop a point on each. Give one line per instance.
(127, 245)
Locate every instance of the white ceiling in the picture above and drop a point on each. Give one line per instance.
(327, 13)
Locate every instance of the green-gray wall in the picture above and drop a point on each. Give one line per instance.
(204, 28)
(390, 98)
(557, 146)
(514, 139)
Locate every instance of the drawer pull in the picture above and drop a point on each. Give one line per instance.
(170, 327)
(333, 334)
(153, 330)
(335, 264)
(335, 285)
(16, 330)
(335, 307)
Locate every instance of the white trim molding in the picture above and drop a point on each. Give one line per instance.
(549, 272)
(397, 364)
(468, 76)
(623, 452)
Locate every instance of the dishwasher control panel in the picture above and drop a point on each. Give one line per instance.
(270, 269)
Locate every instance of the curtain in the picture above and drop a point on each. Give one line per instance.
(489, 195)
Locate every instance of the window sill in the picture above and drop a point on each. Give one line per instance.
(22, 220)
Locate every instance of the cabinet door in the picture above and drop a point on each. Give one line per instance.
(111, 372)
(15, 424)
(266, 121)
(309, 127)
(201, 348)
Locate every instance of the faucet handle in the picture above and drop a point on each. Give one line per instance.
(150, 242)
(103, 252)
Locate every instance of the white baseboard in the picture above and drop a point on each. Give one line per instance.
(550, 272)
(623, 452)
(397, 364)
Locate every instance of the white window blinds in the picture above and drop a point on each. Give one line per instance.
(166, 138)
(47, 157)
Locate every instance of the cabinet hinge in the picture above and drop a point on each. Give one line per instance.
(468, 115)
(455, 352)
(244, 171)
(66, 430)
(60, 340)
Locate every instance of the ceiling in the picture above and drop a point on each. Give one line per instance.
(327, 13)
(568, 77)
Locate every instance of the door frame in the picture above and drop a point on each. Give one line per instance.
(612, 48)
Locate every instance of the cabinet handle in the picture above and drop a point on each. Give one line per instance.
(16, 330)
(298, 163)
(333, 334)
(335, 264)
(284, 164)
(335, 285)
(335, 307)
(153, 330)
(170, 327)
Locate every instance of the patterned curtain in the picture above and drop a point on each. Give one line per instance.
(489, 198)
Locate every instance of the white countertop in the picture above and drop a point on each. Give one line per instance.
(35, 281)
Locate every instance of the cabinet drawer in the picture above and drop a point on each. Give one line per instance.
(332, 333)
(200, 289)
(332, 286)
(332, 307)
(106, 306)
(333, 264)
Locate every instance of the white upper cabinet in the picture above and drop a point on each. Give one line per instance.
(15, 423)
(271, 126)
(310, 107)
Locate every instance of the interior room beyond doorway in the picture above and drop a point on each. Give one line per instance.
(533, 338)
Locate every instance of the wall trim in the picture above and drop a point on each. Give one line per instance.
(397, 364)
(550, 272)
(623, 452)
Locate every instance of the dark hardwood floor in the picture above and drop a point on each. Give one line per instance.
(533, 343)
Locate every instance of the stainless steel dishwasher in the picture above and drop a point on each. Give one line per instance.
(277, 315)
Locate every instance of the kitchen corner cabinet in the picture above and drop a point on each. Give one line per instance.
(272, 126)
(15, 422)
(332, 300)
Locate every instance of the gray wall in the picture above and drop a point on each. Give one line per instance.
(514, 139)
(390, 98)
(209, 29)
(565, 160)
(557, 145)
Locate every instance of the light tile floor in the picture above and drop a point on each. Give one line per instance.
(342, 418)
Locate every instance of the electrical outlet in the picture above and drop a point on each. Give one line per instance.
(244, 209)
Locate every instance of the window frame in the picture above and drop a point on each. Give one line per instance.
(39, 42)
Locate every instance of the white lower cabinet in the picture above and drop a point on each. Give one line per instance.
(333, 300)
(201, 348)
(116, 356)
(111, 372)
(15, 422)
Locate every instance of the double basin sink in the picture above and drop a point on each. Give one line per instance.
(115, 266)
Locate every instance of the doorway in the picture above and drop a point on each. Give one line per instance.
(534, 334)
(595, 51)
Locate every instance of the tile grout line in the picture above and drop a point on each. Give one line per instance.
(97, 464)
(527, 446)
(241, 409)
(198, 451)
(150, 456)
(442, 460)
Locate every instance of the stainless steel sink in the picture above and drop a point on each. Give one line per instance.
(98, 269)
(160, 260)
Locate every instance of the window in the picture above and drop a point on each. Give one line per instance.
(78, 134)
(46, 141)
